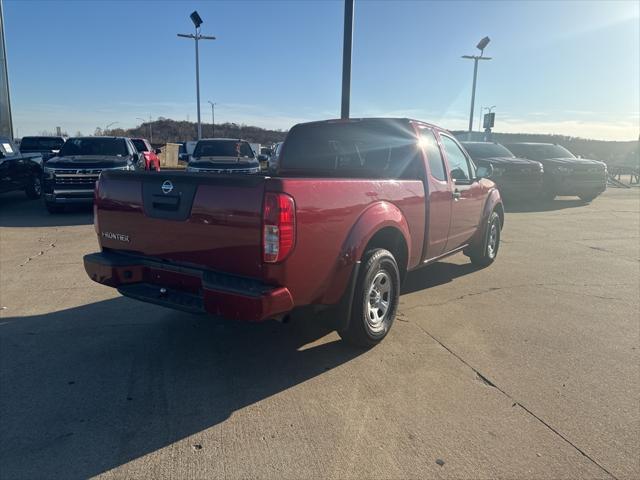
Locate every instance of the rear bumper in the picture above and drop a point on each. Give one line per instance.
(187, 288)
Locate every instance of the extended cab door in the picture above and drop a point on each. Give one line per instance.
(467, 194)
(439, 197)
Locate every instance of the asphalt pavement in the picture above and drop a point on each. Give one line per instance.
(529, 368)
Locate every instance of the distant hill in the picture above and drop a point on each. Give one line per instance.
(166, 130)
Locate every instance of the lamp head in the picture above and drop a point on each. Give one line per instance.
(482, 44)
(195, 18)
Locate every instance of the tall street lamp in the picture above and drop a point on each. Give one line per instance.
(197, 21)
(213, 119)
(347, 42)
(482, 44)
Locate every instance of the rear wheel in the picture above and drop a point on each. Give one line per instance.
(34, 189)
(375, 300)
(485, 253)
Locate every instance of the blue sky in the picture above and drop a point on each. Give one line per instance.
(559, 67)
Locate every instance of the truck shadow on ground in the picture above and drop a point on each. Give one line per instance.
(90, 388)
(524, 206)
(437, 274)
(18, 211)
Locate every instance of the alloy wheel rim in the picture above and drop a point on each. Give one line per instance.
(37, 186)
(379, 301)
(492, 244)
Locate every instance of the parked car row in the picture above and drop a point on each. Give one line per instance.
(539, 170)
(66, 171)
(69, 176)
(536, 171)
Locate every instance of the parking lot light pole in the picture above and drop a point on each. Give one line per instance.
(213, 119)
(346, 58)
(482, 44)
(197, 21)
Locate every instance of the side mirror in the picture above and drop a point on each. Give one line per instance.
(262, 158)
(158, 151)
(484, 171)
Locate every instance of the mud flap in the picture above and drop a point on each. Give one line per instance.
(346, 303)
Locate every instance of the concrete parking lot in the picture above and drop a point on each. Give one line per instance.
(527, 369)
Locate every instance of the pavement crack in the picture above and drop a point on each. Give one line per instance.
(547, 286)
(42, 252)
(484, 379)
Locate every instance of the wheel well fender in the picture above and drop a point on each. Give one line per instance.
(493, 203)
(381, 225)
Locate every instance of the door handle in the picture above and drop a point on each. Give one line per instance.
(456, 194)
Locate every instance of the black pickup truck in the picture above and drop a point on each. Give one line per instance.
(70, 177)
(19, 171)
(515, 177)
(48, 147)
(564, 173)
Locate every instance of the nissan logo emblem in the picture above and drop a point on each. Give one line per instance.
(167, 187)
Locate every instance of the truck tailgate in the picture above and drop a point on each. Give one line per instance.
(212, 221)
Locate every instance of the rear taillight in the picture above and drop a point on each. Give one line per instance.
(278, 227)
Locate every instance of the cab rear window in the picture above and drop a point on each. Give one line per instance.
(357, 149)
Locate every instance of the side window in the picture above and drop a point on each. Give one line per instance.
(458, 164)
(434, 157)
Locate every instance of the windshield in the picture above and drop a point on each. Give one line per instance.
(140, 145)
(539, 151)
(94, 146)
(41, 143)
(486, 150)
(223, 148)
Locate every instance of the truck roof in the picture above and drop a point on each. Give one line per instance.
(404, 120)
(530, 143)
(225, 139)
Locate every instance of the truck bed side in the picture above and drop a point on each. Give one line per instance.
(327, 210)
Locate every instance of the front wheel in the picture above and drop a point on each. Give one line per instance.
(486, 253)
(34, 188)
(375, 300)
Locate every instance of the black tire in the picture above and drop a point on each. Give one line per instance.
(53, 208)
(371, 320)
(484, 254)
(34, 189)
(588, 198)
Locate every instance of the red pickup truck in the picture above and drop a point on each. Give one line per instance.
(354, 205)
